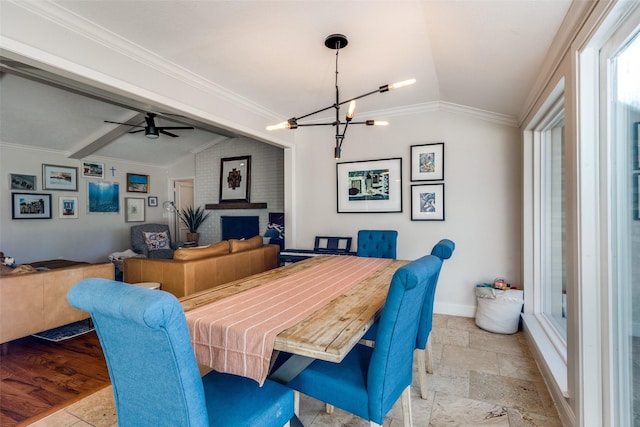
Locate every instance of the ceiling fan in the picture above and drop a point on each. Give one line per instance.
(151, 130)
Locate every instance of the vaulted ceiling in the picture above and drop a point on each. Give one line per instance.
(479, 55)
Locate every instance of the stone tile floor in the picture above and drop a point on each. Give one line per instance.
(480, 379)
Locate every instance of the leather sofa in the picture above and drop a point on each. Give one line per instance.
(37, 301)
(196, 269)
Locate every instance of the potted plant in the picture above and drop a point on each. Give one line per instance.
(193, 219)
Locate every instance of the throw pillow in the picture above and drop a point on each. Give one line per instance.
(157, 240)
(275, 231)
(245, 245)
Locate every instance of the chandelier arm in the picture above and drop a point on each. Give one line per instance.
(317, 124)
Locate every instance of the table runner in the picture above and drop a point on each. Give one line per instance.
(236, 334)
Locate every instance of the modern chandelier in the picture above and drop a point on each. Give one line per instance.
(337, 42)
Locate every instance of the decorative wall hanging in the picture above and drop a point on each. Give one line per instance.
(337, 42)
(104, 197)
(68, 207)
(427, 162)
(63, 178)
(152, 201)
(372, 186)
(30, 206)
(137, 183)
(134, 209)
(235, 179)
(427, 202)
(22, 182)
(92, 170)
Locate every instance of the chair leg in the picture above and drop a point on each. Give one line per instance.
(429, 356)
(406, 407)
(296, 403)
(329, 408)
(422, 373)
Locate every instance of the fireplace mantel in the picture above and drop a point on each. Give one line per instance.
(240, 205)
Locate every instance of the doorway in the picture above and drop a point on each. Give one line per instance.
(183, 197)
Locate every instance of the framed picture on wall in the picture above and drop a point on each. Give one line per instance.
(103, 197)
(67, 207)
(63, 178)
(137, 183)
(152, 201)
(134, 209)
(636, 196)
(22, 182)
(370, 186)
(92, 170)
(636, 145)
(235, 179)
(30, 206)
(427, 202)
(427, 162)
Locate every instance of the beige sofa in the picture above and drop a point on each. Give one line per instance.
(195, 269)
(37, 301)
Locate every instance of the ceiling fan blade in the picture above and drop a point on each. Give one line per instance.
(167, 133)
(126, 124)
(136, 131)
(175, 127)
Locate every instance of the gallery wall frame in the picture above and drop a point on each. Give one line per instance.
(427, 202)
(152, 201)
(369, 186)
(103, 197)
(67, 207)
(30, 206)
(235, 179)
(134, 209)
(93, 170)
(61, 178)
(137, 183)
(18, 181)
(427, 162)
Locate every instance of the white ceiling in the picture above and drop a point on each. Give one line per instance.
(478, 54)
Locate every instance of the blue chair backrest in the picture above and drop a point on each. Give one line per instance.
(443, 250)
(377, 243)
(391, 364)
(146, 343)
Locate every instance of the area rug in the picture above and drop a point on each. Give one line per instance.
(67, 331)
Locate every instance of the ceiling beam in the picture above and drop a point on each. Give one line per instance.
(108, 137)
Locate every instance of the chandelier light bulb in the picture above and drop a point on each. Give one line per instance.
(402, 84)
(283, 125)
(351, 110)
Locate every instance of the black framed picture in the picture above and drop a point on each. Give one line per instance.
(152, 201)
(137, 183)
(427, 162)
(30, 206)
(370, 186)
(427, 202)
(235, 179)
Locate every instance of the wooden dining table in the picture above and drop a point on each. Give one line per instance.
(329, 332)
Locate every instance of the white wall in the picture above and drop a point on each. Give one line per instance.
(90, 237)
(266, 185)
(482, 197)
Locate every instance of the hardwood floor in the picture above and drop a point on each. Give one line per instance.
(38, 377)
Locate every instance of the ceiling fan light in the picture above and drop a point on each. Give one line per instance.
(151, 133)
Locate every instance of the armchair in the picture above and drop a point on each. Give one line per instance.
(153, 369)
(153, 241)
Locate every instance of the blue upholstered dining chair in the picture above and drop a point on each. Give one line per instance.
(369, 380)
(424, 358)
(153, 370)
(377, 243)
